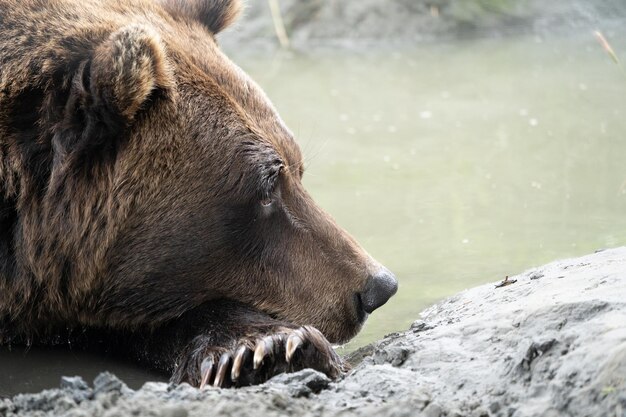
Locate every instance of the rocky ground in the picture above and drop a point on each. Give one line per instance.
(365, 23)
(550, 343)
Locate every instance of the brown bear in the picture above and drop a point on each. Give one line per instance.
(151, 202)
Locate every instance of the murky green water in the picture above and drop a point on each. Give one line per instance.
(459, 164)
(453, 164)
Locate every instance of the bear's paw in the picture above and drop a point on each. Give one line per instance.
(257, 358)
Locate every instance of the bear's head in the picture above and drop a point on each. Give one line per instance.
(173, 181)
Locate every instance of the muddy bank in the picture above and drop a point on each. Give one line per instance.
(381, 22)
(551, 343)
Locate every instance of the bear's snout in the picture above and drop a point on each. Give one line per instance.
(379, 288)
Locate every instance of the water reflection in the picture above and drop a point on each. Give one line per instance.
(31, 370)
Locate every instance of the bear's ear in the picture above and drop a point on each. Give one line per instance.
(127, 69)
(125, 74)
(216, 15)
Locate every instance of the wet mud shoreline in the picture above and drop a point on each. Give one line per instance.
(362, 24)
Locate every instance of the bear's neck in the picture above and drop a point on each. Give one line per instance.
(8, 218)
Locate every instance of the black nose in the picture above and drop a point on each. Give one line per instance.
(378, 289)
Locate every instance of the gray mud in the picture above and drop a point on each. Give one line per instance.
(370, 22)
(551, 344)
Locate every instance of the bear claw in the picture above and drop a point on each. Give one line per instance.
(206, 370)
(222, 369)
(264, 347)
(242, 356)
(255, 361)
(293, 343)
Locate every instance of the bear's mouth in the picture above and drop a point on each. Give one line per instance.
(361, 314)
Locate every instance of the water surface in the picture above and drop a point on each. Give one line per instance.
(459, 164)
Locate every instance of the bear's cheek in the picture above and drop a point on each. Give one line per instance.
(308, 271)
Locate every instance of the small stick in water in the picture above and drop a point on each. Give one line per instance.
(607, 46)
(506, 282)
(609, 50)
(279, 26)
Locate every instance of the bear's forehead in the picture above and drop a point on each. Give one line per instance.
(224, 77)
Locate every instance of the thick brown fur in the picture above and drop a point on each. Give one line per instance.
(134, 158)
